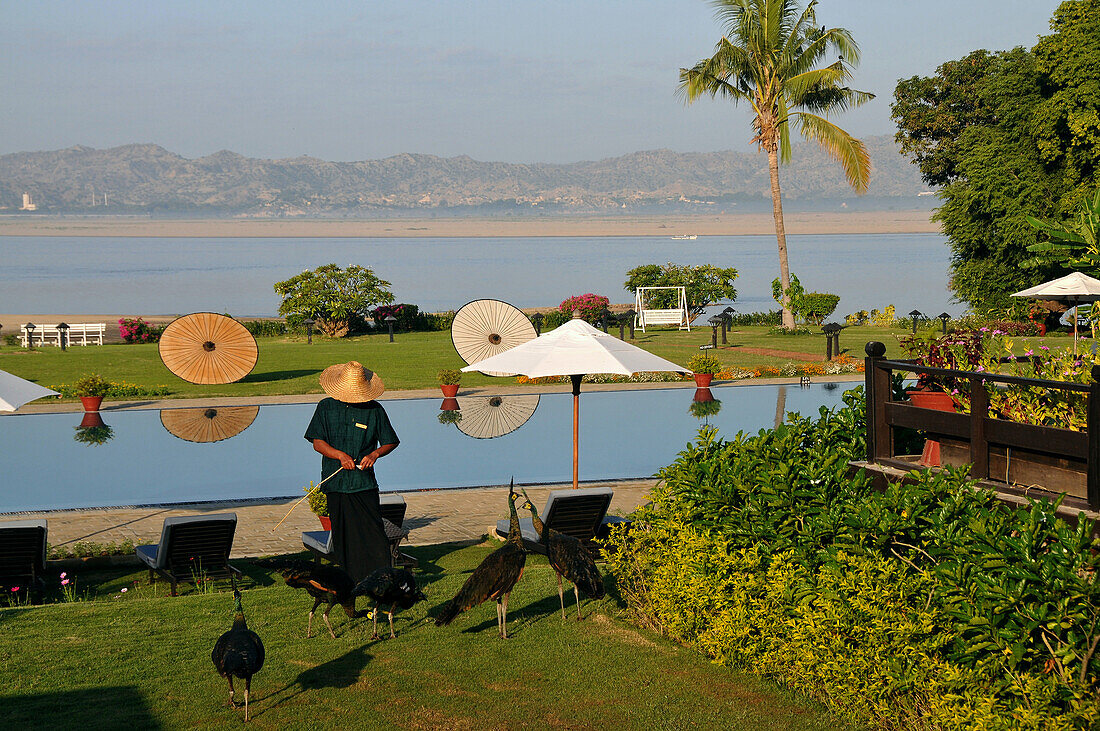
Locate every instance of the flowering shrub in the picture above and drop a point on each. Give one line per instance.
(115, 390)
(136, 330)
(886, 318)
(589, 305)
(408, 316)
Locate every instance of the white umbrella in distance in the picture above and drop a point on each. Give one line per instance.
(15, 391)
(1073, 288)
(575, 349)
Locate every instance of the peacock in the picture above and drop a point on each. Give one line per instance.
(239, 653)
(570, 559)
(326, 584)
(393, 586)
(494, 578)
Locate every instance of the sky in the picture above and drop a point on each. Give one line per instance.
(502, 80)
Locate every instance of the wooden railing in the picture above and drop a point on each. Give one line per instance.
(977, 428)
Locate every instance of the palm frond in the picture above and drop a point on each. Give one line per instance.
(841, 146)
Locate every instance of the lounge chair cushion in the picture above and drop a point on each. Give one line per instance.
(23, 548)
(156, 558)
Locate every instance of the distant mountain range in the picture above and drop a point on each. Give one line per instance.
(147, 178)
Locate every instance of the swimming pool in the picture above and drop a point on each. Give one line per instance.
(623, 434)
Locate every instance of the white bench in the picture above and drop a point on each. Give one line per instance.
(663, 317)
(81, 333)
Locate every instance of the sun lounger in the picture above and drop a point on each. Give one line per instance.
(23, 553)
(192, 548)
(579, 513)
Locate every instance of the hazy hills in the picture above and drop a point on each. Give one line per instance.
(148, 178)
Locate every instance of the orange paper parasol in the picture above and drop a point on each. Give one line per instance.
(208, 425)
(207, 348)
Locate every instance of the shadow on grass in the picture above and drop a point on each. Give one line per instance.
(115, 707)
(278, 376)
(339, 672)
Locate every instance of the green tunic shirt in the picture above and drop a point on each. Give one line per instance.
(356, 429)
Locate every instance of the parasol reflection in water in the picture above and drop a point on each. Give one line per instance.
(489, 417)
(210, 424)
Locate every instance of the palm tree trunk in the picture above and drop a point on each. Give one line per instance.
(780, 235)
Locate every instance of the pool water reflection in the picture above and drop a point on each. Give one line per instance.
(50, 461)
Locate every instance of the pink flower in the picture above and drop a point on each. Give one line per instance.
(124, 590)
(15, 588)
(63, 574)
(64, 582)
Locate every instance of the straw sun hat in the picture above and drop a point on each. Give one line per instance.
(351, 383)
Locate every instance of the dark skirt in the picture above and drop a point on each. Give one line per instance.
(359, 542)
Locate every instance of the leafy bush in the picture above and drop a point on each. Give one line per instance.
(408, 317)
(318, 501)
(333, 297)
(774, 317)
(88, 549)
(11, 339)
(115, 391)
(929, 605)
(703, 363)
(814, 307)
(554, 319)
(136, 330)
(267, 328)
(438, 321)
(886, 318)
(589, 305)
(859, 317)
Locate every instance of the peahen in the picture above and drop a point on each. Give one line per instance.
(239, 653)
(326, 584)
(494, 578)
(570, 559)
(393, 586)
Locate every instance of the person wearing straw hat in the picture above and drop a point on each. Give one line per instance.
(351, 431)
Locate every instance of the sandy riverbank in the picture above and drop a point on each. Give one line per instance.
(863, 222)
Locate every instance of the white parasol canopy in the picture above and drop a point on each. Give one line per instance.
(575, 349)
(1073, 288)
(15, 391)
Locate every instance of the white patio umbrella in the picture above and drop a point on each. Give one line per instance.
(1073, 288)
(575, 349)
(15, 391)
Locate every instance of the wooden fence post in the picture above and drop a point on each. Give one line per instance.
(979, 446)
(1092, 478)
(877, 388)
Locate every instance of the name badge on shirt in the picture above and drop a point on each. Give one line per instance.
(361, 426)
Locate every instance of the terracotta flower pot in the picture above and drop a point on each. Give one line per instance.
(326, 522)
(449, 389)
(702, 380)
(937, 401)
(91, 403)
(91, 419)
(449, 404)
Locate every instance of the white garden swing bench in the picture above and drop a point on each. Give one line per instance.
(675, 316)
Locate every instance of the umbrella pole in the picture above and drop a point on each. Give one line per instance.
(576, 378)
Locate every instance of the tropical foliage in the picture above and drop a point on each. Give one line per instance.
(1005, 136)
(927, 605)
(705, 285)
(333, 297)
(1074, 243)
(768, 57)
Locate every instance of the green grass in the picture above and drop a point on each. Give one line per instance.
(288, 366)
(142, 660)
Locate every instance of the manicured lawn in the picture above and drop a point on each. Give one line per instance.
(289, 366)
(142, 660)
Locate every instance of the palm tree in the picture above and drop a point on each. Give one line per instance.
(767, 57)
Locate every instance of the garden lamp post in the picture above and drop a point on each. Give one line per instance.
(629, 316)
(714, 323)
(727, 322)
(62, 335)
(390, 319)
(915, 314)
(537, 319)
(832, 339)
(622, 318)
(943, 318)
(30, 326)
(309, 330)
(605, 318)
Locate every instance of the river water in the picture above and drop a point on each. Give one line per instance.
(163, 276)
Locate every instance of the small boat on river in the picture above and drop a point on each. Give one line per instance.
(685, 237)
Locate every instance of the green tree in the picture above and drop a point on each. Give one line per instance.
(1075, 244)
(705, 285)
(767, 57)
(332, 296)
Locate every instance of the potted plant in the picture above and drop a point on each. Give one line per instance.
(704, 409)
(703, 368)
(91, 389)
(93, 435)
(318, 503)
(449, 381)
